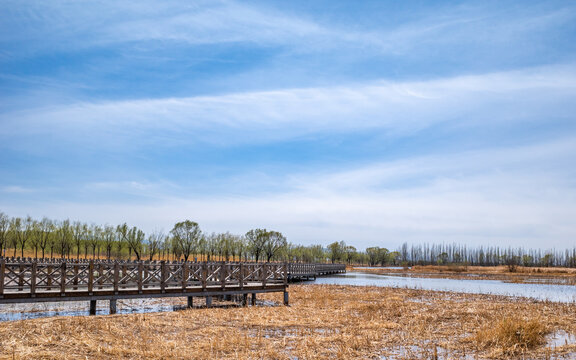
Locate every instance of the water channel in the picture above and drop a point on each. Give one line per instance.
(535, 290)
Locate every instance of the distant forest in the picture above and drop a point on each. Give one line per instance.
(46, 238)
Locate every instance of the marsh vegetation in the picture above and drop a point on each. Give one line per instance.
(323, 322)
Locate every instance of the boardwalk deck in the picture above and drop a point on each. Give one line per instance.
(43, 280)
(303, 271)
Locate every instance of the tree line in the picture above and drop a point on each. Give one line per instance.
(186, 241)
(47, 238)
(447, 254)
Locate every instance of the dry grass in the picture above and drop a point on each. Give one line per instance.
(323, 322)
(512, 335)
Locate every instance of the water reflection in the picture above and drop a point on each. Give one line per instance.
(559, 293)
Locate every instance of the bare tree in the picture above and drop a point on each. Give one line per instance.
(275, 242)
(14, 233)
(4, 226)
(78, 231)
(64, 238)
(186, 235)
(95, 235)
(45, 228)
(257, 240)
(109, 237)
(155, 241)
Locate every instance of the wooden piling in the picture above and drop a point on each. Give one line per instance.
(92, 307)
(112, 306)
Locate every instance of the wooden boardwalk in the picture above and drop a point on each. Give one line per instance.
(303, 271)
(43, 280)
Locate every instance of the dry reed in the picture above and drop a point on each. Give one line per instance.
(323, 322)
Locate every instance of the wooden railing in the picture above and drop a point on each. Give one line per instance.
(298, 271)
(36, 278)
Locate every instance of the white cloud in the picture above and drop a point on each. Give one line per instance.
(495, 196)
(262, 117)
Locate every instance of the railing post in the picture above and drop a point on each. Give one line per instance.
(241, 276)
(49, 274)
(223, 275)
(286, 274)
(116, 278)
(163, 276)
(100, 273)
(140, 272)
(90, 277)
(63, 278)
(75, 281)
(204, 275)
(33, 279)
(2, 274)
(184, 276)
(21, 277)
(264, 274)
(124, 272)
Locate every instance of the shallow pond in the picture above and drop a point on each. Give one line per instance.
(560, 293)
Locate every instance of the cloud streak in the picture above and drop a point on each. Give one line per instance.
(397, 108)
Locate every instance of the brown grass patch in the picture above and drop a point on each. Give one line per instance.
(323, 322)
(511, 336)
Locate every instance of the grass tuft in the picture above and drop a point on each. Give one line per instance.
(512, 335)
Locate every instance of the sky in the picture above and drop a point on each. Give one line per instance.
(374, 122)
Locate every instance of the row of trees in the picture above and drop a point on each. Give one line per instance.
(49, 238)
(66, 239)
(439, 254)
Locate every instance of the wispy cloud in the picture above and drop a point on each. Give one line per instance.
(364, 122)
(262, 117)
(521, 196)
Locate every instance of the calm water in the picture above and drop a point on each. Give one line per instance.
(560, 293)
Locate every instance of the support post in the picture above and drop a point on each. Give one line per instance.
(208, 301)
(190, 301)
(253, 299)
(244, 299)
(92, 307)
(286, 298)
(112, 306)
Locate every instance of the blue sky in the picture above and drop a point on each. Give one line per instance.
(373, 122)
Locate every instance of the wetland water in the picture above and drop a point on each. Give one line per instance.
(559, 293)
